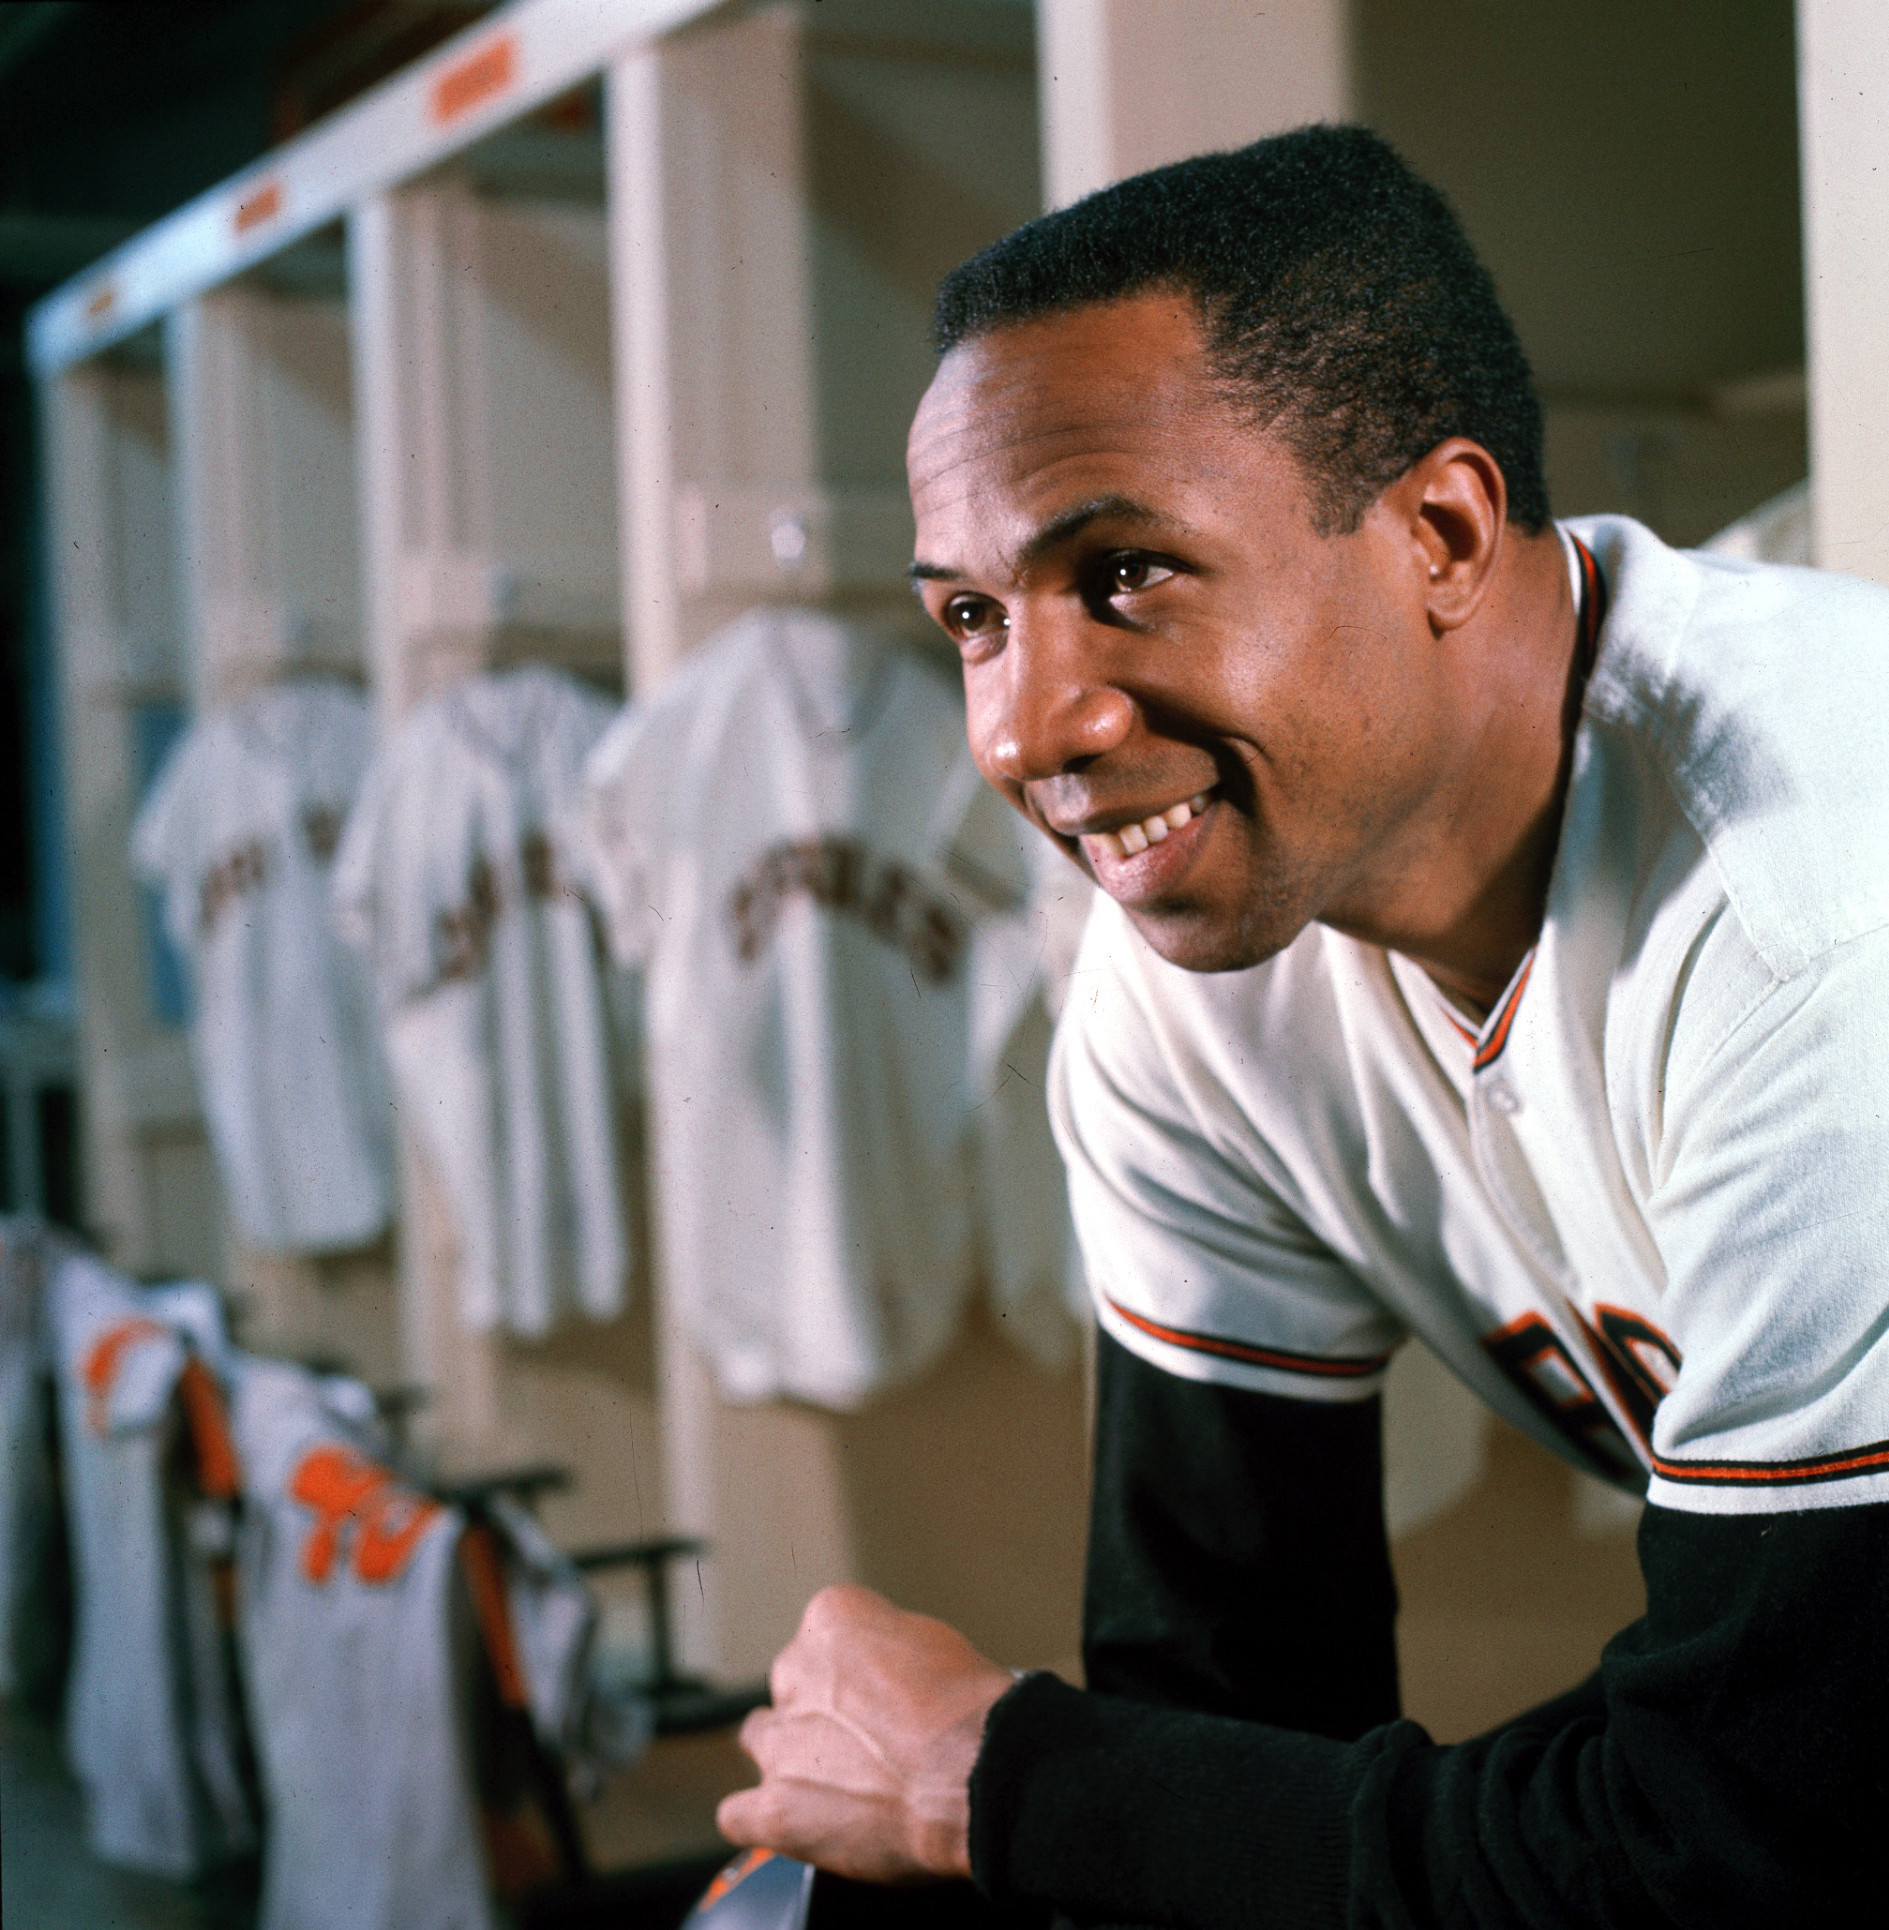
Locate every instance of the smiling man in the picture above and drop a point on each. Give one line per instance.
(1496, 921)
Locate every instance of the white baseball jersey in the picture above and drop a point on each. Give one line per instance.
(358, 1635)
(1641, 1209)
(238, 830)
(1777, 531)
(151, 1720)
(452, 880)
(356, 1647)
(843, 995)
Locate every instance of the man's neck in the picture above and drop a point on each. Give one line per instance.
(1478, 880)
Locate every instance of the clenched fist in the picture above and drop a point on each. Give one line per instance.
(866, 1755)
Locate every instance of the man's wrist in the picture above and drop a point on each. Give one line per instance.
(992, 1775)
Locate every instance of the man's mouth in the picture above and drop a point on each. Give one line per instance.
(1130, 840)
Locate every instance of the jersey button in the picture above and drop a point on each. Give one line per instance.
(1504, 1098)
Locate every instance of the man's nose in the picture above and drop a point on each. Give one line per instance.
(1051, 708)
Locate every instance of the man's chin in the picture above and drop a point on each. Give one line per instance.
(1196, 939)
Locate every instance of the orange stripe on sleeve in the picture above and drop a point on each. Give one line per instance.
(1871, 1459)
(1321, 1366)
(219, 1473)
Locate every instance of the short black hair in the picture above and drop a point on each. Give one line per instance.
(1340, 299)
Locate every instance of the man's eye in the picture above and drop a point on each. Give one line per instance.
(966, 617)
(1131, 573)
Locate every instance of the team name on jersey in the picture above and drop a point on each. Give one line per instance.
(1640, 1364)
(360, 1511)
(461, 933)
(235, 874)
(245, 867)
(840, 874)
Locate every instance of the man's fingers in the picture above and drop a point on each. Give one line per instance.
(742, 1817)
(753, 1733)
(817, 1827)
(843, 1607)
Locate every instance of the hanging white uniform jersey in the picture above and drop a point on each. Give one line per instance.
(151, 1718)
(238, 831)
(359, 1641)
(451, 879)
(356, 1650)
(845, 1038)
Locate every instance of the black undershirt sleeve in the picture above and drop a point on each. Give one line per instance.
(1237, 1560)
(1727, 1769)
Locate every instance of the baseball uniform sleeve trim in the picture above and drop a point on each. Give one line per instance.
(1321, 1366)
(1872, 1459)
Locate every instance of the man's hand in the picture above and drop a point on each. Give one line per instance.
(866, 1755)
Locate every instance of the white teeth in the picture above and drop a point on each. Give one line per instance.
(1133, 839)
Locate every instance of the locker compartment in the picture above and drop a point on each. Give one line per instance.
(149, 1190)
(482, 344)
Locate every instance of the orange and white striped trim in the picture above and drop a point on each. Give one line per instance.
(1871, 1459)
(1320, 1366)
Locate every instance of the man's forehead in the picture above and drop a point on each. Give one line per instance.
(1090, 399)
(1081, 373)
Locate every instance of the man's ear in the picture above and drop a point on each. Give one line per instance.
(1457, 503)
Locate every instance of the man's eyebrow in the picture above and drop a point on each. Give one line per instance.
(1057, 531)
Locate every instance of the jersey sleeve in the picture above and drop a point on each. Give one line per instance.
(1770, 1206)
(1195, 1260)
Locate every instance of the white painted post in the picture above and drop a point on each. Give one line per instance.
(150, 1193)
(1843, 121)
(1127, 86)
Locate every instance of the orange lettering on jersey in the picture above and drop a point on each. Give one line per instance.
(334, 1482)
(100, 1372)
(391, 1526)
(1534, 1357)
(1641, 1362)
(345, 1489)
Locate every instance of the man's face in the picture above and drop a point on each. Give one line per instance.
(1227, 718)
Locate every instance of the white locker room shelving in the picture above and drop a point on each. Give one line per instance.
(262, 419)
(787, 186)
(482, 338)
(482, 345)
(567, 344)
